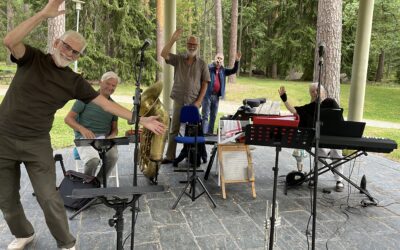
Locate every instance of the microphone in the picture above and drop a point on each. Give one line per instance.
(146, 44)
(321, 49)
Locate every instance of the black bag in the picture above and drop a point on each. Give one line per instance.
(75, 180)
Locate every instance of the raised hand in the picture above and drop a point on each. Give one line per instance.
(281, 90)
(152, 124)
(52, 8)
(177, 34)
(282, 94)
(238, 56)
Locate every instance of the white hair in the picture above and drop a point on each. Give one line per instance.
(109, 75)
(314, 86)
(75, 35)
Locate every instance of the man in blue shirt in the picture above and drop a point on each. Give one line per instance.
(216, 90)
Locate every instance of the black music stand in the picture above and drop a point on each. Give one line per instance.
(119, 203)
(278, 137)
(102, 146)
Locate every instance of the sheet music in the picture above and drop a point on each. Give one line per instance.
(269, 108)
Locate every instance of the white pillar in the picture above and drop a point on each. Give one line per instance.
(360, 60)
(168, 71)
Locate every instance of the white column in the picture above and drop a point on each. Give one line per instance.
(360, 60)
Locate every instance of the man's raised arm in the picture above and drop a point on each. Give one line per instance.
(150, 123)
(282, 94)
(13, 40)
(167, 48)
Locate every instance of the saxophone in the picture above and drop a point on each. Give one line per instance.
(152, 145)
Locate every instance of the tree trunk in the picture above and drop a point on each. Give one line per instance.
(205, 29)
(218, 33)
(10, 25)
(308, 68)
(381, 65)
(160, 37)
(274, 71)
(56, 28)
(210, 46)
(233, 38)
(240, 31)
(329, 31)
(253, 45)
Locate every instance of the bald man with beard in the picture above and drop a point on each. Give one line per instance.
(191, 79)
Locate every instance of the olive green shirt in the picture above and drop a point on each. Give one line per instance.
(38, 89)
(187, 78)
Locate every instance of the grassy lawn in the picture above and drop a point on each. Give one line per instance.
(381, 103)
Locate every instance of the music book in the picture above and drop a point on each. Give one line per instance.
(269, 108)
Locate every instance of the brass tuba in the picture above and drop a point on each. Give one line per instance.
(152, 145)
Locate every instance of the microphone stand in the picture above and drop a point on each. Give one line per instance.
(317, 139)
(135, 120)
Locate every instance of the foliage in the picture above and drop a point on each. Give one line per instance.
(114, 38)
(281, 32)
(384, 37)
(274, 32)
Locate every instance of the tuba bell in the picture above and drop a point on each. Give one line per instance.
(152, 145)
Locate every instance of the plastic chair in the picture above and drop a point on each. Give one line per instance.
(80, 168)
(191, 117)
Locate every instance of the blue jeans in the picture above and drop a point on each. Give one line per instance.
(209, 109)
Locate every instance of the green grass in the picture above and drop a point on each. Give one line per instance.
(62, 135)
(4, 67)
(381, 103)
(393, 134)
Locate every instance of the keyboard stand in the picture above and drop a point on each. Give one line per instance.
(336, 163)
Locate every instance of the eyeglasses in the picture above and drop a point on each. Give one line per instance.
(192, 44)
(68, 48)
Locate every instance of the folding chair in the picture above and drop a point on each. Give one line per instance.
(191, 117)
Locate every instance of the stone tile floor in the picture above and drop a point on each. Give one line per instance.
(238, 221)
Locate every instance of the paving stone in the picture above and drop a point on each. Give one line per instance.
(177, 237)
(245, 232)
(145, 230)
(289, 238)
(145, 246)
(97, 241)
(202, 221)
(238, 221)
(227, 208)
(212, 242)
(162, 214)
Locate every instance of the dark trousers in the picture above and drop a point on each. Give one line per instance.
(37, 156)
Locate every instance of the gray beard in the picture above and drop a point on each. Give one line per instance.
(191, 54)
